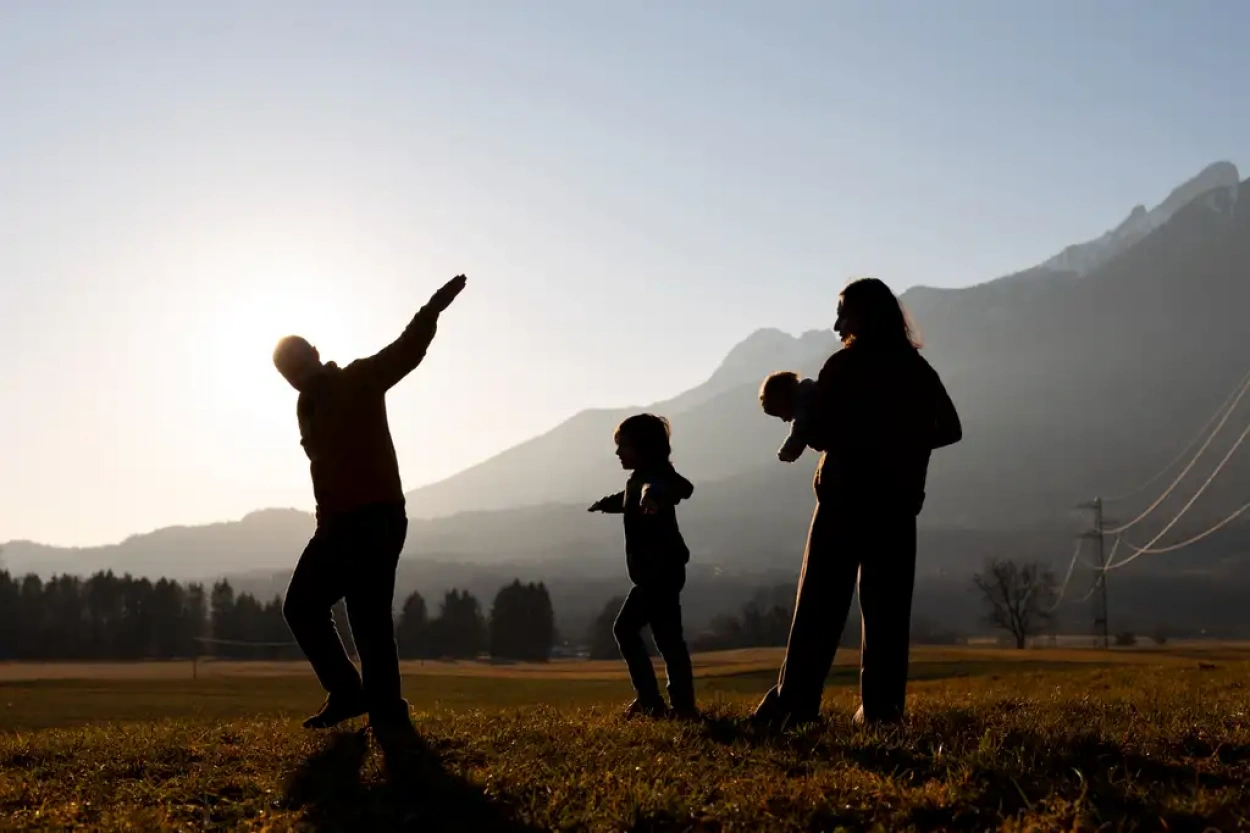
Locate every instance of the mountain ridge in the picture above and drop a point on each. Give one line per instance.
(1083, 258)
(1025, 357)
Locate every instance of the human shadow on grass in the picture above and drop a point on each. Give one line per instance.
(1023, 771)
(416, 792)
(1109, 785)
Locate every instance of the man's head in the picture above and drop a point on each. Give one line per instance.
(296, 360)
(779, 393)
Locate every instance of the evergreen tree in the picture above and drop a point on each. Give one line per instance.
(31, 622)
(10, 616)
(167, 618)
(413, 631)
(522, 623)
(103, 603)
(222, 617)
(602, 642)
(195, 617)
(459, 631)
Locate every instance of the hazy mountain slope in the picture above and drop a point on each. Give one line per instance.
(718, 431)
(258, 541)
(1069, 387)
(1083, 258)
(1075, 378)
(1076, 388)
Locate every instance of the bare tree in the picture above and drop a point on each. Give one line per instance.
(1019, 598)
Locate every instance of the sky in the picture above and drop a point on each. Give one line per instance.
(631, 187)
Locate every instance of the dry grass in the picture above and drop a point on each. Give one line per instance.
(1156, 742)
(719, 663)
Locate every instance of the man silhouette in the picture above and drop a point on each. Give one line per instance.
(361, 521)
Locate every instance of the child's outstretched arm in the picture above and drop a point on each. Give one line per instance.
(669, 488)
(612, 504)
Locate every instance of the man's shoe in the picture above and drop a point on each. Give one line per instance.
(646, 708)
(769, 712)
(395, 734)
(685, 712)
(336, 709)
(859, 719)
(773, 715)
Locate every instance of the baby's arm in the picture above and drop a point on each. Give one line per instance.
(794, 445)
(800, 430)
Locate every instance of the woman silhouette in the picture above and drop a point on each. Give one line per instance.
(882, 410)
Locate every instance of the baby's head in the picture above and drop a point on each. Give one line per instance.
(779, 395)
(643, 440)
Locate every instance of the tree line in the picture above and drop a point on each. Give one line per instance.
(111, 617)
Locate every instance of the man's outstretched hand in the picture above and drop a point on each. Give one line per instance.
(442, 299)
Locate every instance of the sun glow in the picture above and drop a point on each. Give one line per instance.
(242, 325)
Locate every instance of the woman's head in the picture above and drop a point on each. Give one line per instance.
(643, 439)
(869, 313)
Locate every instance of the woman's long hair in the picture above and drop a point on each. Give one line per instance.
(880, 319)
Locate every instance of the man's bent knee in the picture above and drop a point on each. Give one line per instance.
(625, 635)
(296, 610)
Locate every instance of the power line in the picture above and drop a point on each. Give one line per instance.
(1063, 588)
(1138, 552)
(1186, 449)
(1193, 540)
(1168, 491)
(1101, 618)
(1098, 580)
(210, 641)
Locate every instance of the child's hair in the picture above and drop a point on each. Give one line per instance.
(649, 434)
(777, 388)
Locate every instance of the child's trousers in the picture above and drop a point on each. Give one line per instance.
(657, 604)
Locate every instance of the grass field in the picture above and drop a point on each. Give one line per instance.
(1048, 739)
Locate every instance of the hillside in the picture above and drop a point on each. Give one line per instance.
(1069, 386)
(718, 427)
(1085, 382)
(1083, 258)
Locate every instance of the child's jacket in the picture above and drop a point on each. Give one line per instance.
(654, 547)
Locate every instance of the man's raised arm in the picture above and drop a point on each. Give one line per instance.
(399, 358)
